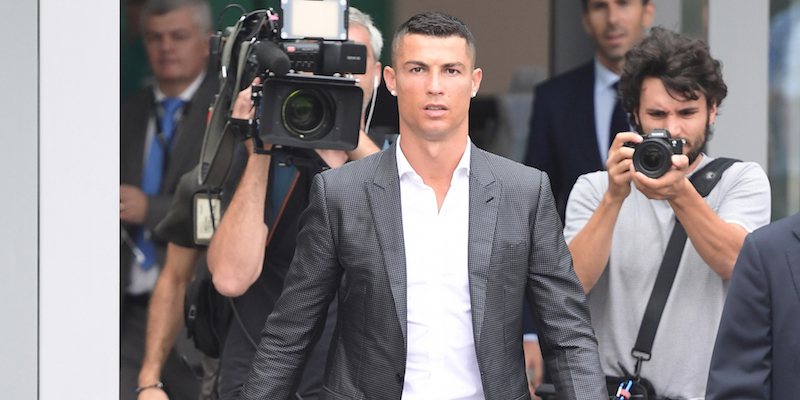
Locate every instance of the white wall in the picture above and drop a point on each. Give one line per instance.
(18, 208)
(59, 167)
(738, 35)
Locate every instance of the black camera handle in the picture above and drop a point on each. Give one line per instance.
(703, 180)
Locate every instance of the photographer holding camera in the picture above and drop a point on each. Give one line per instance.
(618, 222)
(250, 252)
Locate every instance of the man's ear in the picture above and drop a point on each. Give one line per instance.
(648, 14)
(389, 78)
(585, 23)
(377, 81)
(477, 76)
(712, 112)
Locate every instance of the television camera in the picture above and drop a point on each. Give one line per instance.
(308, 97)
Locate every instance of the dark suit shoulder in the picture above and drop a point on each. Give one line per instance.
(563, 84)
(777, 235)
(143, 96)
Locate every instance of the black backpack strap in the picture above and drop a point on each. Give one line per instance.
(703, 180)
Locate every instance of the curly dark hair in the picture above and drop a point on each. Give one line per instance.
(436, 24)
(684, 66)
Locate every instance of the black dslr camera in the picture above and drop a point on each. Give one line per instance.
(653, 156)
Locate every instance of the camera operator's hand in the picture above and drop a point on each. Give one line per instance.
(244, 108)
(132, 204)
(153, 394)
(620, 166)
(667, 186)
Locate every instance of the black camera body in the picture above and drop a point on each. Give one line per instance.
(653, 156)
(310, 111)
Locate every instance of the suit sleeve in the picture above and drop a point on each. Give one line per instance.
(741, 364)
(559, 307)
(299, 316)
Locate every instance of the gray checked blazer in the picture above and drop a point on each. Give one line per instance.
(351, 240)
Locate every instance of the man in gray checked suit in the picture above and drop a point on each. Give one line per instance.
(432, 245)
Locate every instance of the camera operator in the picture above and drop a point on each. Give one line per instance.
(618, 222)
(250, 252)
(161, 131)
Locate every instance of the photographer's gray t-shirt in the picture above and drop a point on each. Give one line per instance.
(688, 329)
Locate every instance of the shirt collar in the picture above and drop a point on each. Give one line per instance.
(186, 95)
(603, 77)
(403, 166)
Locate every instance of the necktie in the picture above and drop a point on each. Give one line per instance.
(619, 119)
(154, 169)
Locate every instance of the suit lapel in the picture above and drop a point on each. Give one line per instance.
(384, 199)
(484, 192)
(793, 258)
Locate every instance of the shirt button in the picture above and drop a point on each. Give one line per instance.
(399, 379)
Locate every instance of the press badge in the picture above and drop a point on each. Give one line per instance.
(207, 214)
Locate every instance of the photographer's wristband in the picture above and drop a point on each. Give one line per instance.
(157, 385)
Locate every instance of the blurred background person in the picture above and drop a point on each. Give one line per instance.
(161, 132)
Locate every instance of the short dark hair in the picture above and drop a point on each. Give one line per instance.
(684, 65)
(436, 24)
(586, 4)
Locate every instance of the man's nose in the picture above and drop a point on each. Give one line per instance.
(673, 125)
(435, 84)
(613, 14)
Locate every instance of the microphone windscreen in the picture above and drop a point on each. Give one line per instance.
(271, 57)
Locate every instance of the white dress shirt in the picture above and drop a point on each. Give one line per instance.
(605, 98)
(441, 361)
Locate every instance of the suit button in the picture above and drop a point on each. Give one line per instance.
(399, 379)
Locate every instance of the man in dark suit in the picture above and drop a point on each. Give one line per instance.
(575, 115)
(758, 343)
(161, 131)
(432, 246)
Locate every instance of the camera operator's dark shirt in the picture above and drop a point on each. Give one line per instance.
(281, 216)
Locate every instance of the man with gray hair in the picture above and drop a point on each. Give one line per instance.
(161, 131)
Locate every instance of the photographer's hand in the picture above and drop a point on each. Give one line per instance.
(620, 166)
(591, 247)
(153, 394)
(132, 204)
(668, 186)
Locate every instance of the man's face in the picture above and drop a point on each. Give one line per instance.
(616, 25)
(176, 47)
(359, 34)
(434, 79)
(683, 118)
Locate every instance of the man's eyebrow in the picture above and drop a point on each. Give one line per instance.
(454, 64)
(417, 63)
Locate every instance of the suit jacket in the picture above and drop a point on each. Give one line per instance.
(351, 240)
(563, 139)
(757, 354)
(135, 114)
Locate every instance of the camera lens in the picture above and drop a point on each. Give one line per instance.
(652, 157)
(307, 113)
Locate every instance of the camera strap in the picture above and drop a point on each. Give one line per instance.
(703, 180)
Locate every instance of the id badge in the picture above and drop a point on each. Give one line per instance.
(207, 214)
